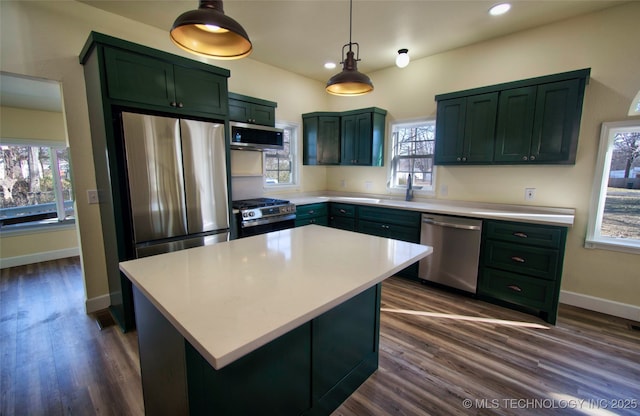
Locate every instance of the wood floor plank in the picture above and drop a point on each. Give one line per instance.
(54, 360)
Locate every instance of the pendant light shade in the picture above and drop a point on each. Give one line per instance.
(208, 32)
(350, 81)
(402, 60)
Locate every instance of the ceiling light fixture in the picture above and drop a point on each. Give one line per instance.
(208, 32)
(499, 9)
(402, 60)
(350, 82)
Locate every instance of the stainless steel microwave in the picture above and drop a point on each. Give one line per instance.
(255, 137)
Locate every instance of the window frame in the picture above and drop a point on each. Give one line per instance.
(54, 218)
(431, 191)
(594, 239)
(294, 129)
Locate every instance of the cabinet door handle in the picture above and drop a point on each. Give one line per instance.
(464, 159)
(458, 159)
(520, 234)
(525, 158)
(312, 221)
(173, 104)
(532, 158)
(311, 212)
(342, 211)
(180, 105)
(515, 288)
(517, 259)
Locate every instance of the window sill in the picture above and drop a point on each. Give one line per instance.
(613, 244)
(37, 227)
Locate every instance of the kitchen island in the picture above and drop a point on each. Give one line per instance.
(280, 323)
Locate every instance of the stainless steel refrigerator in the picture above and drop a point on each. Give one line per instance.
(177, 179)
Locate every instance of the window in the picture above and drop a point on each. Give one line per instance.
(614, 217)
(280, 165)
(35, 183)
(412, 154)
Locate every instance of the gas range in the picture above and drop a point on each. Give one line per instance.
(260, 215)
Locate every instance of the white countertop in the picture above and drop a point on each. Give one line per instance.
(229, 299)
(522, 213)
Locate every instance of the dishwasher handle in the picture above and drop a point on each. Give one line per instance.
(427, 220)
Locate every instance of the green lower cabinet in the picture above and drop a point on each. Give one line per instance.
(521, 266)
(344, 349)
(517, 289)
(392, 223)
(308, 371)
(312, 214)
(275, 376)
(342, 216)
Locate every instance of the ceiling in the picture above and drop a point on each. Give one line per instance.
(301, 35)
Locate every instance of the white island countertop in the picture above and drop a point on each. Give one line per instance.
(229, 299)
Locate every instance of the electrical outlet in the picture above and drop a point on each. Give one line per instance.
(368, 185)
(343, 183)
(444, 190)
(92, 196)
(529, 194)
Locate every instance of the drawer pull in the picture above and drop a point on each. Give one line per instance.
(520, 234)
(517, 259)
(311, 212)
(515, 288)
(342, 211)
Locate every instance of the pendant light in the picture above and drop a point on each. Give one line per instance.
(402, 60)
(349, 82)
(208, 32)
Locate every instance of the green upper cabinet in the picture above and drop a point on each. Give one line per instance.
(362, 137)
(147, 80)
(533, 121)
(465, 129)
(321, 139)
(539, 124)
(348, 138)
(252, 110)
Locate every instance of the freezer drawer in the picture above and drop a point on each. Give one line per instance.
(146, 250)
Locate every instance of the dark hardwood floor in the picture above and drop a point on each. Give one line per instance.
(440, 354)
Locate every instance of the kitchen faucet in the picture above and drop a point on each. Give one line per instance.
(409, 195)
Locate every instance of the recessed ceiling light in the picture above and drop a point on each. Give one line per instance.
(499, 9)
(330, 65)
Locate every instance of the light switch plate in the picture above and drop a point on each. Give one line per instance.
(92, 196)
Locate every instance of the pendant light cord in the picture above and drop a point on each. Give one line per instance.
(350, 21)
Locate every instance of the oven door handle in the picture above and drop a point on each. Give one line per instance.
(267, 220)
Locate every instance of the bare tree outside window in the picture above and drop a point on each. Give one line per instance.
(32, 180)
(279, 165)
(621, 216)
(413, 148)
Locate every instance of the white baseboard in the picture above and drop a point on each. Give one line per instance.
(593, 303)
(39, 257)
(97, 304)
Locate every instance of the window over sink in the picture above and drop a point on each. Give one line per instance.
(413, 145)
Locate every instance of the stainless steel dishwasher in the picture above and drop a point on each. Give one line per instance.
(456, 251)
